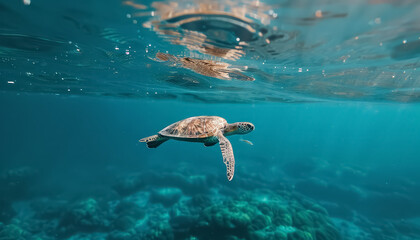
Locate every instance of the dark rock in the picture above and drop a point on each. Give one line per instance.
(319, 189)
(123, 223)
(337, 210)
(17, 184)
(122, 235)
(200, 201)
(300, 235)
(190, 185)
(125, 208)
(390, 205)
(6, 211)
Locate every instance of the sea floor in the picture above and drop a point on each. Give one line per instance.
(182, 204)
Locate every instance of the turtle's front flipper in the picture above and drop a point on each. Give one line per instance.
(228, 157)
(154, 141)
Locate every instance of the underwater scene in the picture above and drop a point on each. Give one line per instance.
(202, 120)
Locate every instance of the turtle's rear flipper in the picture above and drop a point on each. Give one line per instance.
(209, 144)
(154, 141)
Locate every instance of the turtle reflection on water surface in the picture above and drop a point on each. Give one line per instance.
(216, 69)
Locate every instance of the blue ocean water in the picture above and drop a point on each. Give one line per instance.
(332, 88)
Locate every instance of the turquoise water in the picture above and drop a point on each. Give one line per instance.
(332, 88)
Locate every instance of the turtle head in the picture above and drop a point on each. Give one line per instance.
(239, 128)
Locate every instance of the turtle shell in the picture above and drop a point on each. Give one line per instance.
(195, 127)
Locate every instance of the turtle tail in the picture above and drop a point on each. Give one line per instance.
(154, 141)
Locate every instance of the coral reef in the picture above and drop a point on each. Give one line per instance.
(12, 232)
(172, 206)
(83, 216)
(126, 214)
(263, 215)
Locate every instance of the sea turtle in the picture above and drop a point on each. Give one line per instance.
(206, 129)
